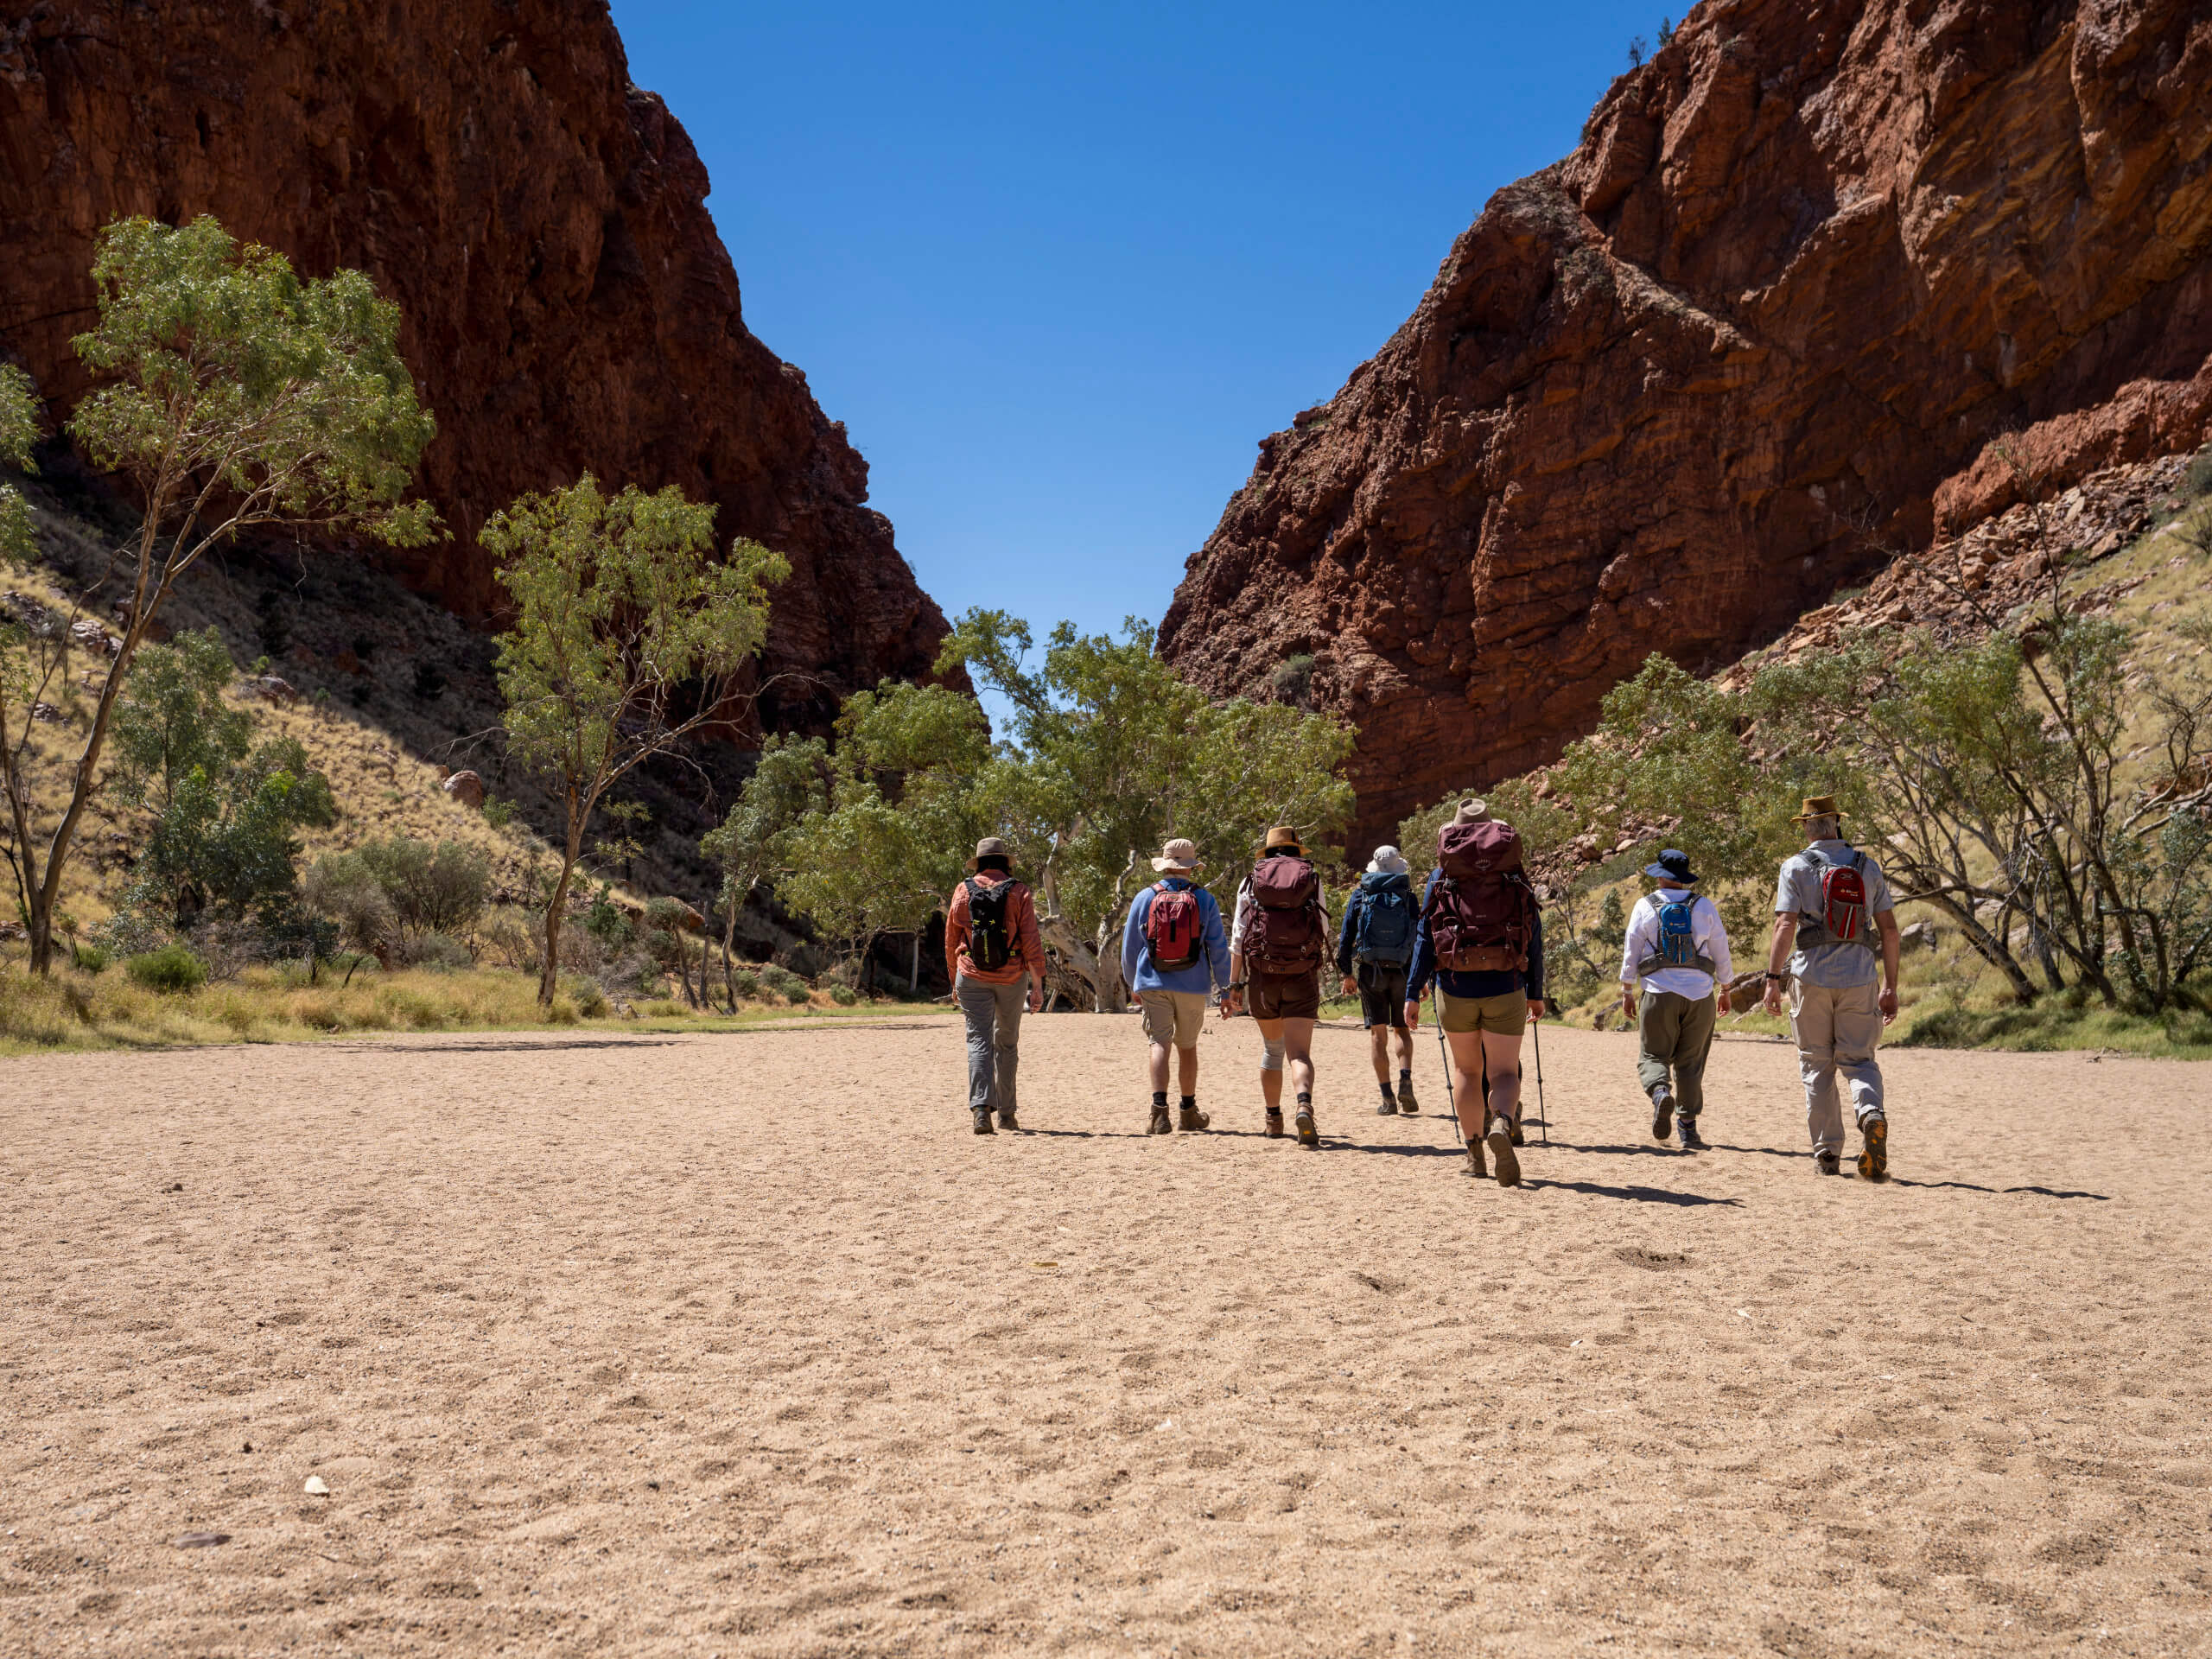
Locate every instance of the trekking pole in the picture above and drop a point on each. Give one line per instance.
(1543, 1114)
(1445, 1049)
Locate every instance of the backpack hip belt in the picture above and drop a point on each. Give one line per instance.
(1656, 963)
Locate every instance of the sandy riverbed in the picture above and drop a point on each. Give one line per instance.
(744, 1344)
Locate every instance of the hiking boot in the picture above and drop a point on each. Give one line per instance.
(1390, 1106)
(983, 1121)
(1475, 1166)
(1501, 1152)
(1190, 1117)
(1874, 1153)
(1519, 1138)
(1406, 1104)
(1662, 1114)
(1691, 1141)
(1826, 1162)
(1307, 1134)
(1274, 1128)
(1006, 1121)
(1159, 1124)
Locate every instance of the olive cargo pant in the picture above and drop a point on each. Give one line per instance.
(1673, 1031)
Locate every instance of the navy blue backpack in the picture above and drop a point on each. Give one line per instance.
(1386, 921)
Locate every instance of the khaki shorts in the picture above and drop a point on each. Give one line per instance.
(1505, 1016)
(1287, 996)
(1174, 1016)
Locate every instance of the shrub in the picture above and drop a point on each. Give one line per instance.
(439, 951)
(664, 1008)
(2197, 480)
(587, 993)
(498, 813)
(509, 936)
(746, 982)
(560, 1011)
(431, 889)
(171, 968)
(342, 887)
(89, 958)
(1293, 678)
(605, 921)
(843, 995)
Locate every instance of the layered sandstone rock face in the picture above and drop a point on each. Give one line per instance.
(1811, 261)
(541, 223)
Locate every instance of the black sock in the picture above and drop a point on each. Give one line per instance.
(1404, 1076)
(1189, 1101)
(1160, 1099)
(1305, 1097)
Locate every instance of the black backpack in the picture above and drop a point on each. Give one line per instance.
(990, 940)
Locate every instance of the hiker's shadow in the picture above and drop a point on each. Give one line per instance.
(1635, 1194)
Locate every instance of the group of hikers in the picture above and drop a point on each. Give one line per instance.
(1476, 938)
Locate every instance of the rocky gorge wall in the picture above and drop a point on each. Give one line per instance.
(1823, 278)
(541, 223)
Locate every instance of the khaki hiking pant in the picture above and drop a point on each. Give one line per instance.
(1837, 1029)
(1674, 1032)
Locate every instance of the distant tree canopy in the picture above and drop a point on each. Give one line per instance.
(233, 395)
(1108, 754)
(628, 635)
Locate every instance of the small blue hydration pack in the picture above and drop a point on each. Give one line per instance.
(1386, 921)
(1677, 940)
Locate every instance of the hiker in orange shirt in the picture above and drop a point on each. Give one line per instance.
(998, 963)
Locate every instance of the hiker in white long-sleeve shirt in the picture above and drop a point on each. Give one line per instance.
(1677, 949)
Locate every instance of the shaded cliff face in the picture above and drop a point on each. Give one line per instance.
(1810, 262)
(541, 224)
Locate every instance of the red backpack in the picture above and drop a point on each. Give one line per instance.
(1286, 932)
(1173, 927)
(1843, 899)
(1482, 913)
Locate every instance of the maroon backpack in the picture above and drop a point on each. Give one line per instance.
(1482, 913)
(1173, 927)
(1286, 934)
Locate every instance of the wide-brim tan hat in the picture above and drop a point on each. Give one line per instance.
(991, 847)
(1471, 811)
(1281, 836)
(1178, 856)
(1820, 806)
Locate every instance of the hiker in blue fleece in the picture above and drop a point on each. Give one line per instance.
(1174, 993)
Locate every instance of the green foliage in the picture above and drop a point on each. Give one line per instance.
(232, 396)
(1109, 753)
(1292, 680)
(605, 920)
(2196, 481)
(843, 995)
(589, 996)
(225, 368)
(439, 951)
(628, 635)
(18, 431)
(172, 967)
(222, 813)
(89, 958)
(432, 889)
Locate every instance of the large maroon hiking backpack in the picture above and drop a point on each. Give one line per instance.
(1482, 913)
(1286, 934)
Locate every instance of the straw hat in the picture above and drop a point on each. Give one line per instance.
(1388, 860)
(1472, 811)
(991, 847)
(1819, 806)
(1178, 857)
(1282, 836)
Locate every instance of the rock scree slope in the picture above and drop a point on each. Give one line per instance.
(1768, 323)
(540, 221)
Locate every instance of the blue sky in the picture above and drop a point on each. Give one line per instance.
(1059, 268)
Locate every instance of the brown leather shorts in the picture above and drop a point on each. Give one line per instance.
(1286, 996)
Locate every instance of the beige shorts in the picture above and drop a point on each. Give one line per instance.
(1505, 1016)
(1174, 1016)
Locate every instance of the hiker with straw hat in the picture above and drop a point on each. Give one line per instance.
(1828, 898)
(1276, 947)
(1677, 950)
(1174, 954)
(1482, 940)
(997, 960)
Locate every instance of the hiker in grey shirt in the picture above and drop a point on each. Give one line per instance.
(1828, 900)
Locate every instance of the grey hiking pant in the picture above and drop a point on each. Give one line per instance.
(1837, 1028)
(1673, 1031)
(994, 1014)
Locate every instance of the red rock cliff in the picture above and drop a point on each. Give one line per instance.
(1810, 261)
(541, 223)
